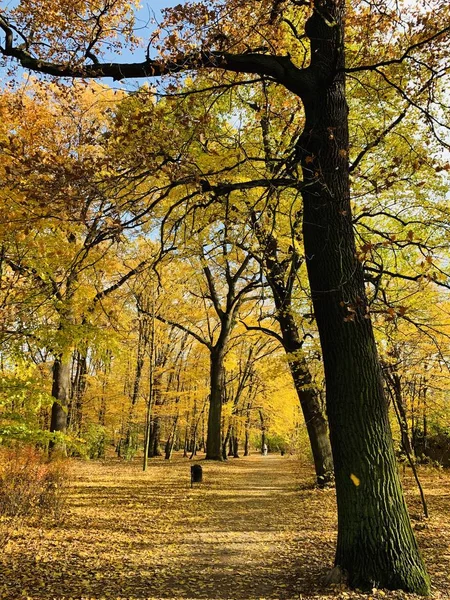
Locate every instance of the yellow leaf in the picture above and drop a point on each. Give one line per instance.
(354, 479)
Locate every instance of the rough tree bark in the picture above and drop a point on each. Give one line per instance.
(376, 546)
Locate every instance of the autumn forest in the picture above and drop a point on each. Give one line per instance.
(224, 299)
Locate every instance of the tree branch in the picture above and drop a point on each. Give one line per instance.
(122, 280)
(182, 328)
(404, 56)
(273, 334)
(280, 68)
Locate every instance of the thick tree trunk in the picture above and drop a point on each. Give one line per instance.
(376, 545)
(213, 440)
(155, 434)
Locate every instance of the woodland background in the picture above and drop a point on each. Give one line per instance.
(184, 259)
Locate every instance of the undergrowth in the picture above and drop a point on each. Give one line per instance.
(30, 486)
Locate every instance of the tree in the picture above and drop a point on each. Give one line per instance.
(376, 545)
(226, 283)
(69, 220)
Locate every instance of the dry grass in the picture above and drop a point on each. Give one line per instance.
(253, 529)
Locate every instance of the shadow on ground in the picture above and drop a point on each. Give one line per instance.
(253, 529)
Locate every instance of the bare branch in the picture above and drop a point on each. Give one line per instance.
(265, 330)
(404, 56)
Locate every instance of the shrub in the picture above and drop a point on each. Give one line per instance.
(95, 439)
(30, 485)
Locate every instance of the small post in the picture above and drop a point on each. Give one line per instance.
(196, 474)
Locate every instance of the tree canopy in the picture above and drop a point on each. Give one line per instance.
(300, 146)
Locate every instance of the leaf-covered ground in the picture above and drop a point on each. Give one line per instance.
(254, 529)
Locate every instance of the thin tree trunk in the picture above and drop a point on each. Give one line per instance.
(225, 443)
(235, 447)
(143, 340)
(106, 372)
(394, 382)
(308, 395)
(247, 427)
(77, 390)
(151, 382)
(263, 431)
(171, 440)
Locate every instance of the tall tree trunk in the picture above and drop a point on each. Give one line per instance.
(235, 446)
(280, 276)
(143, 341)
(308, 395)
(186, 439)
(155, 434)
(247, 425)
(263, 431)
(106, 373)
(213, 440)
(226, 442)
(171, 440)
(376, 545)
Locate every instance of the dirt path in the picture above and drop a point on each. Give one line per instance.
(253, 529)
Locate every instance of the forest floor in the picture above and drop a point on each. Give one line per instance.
(254, 529)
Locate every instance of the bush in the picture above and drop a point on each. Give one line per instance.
(30, 485)
(95, 439)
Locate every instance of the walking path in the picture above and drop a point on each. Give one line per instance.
(255, 528)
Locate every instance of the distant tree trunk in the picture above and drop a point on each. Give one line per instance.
(231, 443)
(263, 431)
(77, 390)
(154, 448)
(194, 435)
(143, 340)
(393, 380)
(424, 414)
(186, 440)
(106, 372)
(171, 440)
(155, 424)
(247, 443)
(235, 440)
(247, 429)
(225, 443)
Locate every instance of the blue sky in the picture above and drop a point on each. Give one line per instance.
(145, 16)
